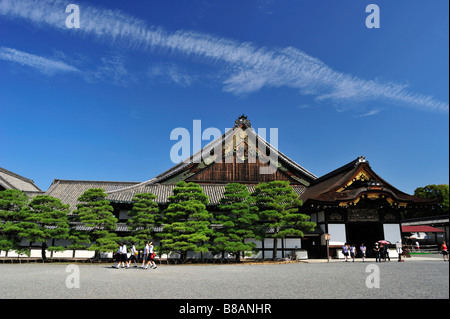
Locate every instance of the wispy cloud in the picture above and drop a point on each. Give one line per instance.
(250, 68)
(47, 66)
(370, 113)
(112, 69)
(170, 73)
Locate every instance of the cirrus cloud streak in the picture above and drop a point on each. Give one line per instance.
(248, 68)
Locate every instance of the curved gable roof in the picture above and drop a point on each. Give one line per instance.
(353, 180)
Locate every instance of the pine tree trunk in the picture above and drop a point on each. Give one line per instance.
(275, 248)
(43, 254)
(183, 256)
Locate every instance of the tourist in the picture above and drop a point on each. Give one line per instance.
(417, 246)
(386, 253)
(444, 250)
(381, 251)
(133, 256)
(144, 259)
(345, 251)
(123, 257)
(353, 252)
(118, 257)
(363, 250)
(399, 246)
(151, 256)
(376, 250)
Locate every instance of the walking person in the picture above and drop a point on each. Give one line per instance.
(444, 250)
(118, 256)
(145, 257)
(151, 257)
(345, 251)
(124, 256)
(353, 252)
(363, 250)
(133, 256)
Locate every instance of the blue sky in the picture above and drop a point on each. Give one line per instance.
(99, 102)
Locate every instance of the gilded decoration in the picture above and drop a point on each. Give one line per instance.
(362, 215)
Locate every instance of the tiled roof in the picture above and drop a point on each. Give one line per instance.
(163, 191)
(10, 180)
(68, 191)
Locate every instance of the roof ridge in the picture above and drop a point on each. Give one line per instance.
(92, 181)
(152, 181)
(355, 162)
(25, 179)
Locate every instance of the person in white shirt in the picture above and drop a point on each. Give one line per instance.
(353, 252)
(363, 250)
(133, 256)
(345, 251)
(144, 259)
(150, 257)
(399, 248)
(124, 256)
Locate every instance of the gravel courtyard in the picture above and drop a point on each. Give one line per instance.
(416, 278)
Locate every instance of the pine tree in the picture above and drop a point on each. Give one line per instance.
(186, 221)
(14, 228)
(278, 206)
(237, 221)
(145, 218)
(96, 213)
(50, 217)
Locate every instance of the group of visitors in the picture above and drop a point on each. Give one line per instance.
(351, 251)
(121, 256)
(380, 251)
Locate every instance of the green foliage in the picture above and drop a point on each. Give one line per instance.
(237, 221)
(14, 226)
(145, 217)
(50, 219)
(440, 193)
(186, 221)
(96, 213)
(278, 206)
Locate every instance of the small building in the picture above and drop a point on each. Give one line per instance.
(426, 230)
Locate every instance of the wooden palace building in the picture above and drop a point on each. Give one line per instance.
(352, 203)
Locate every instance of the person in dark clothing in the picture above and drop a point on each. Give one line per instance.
(386, 253)
(376, 251)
